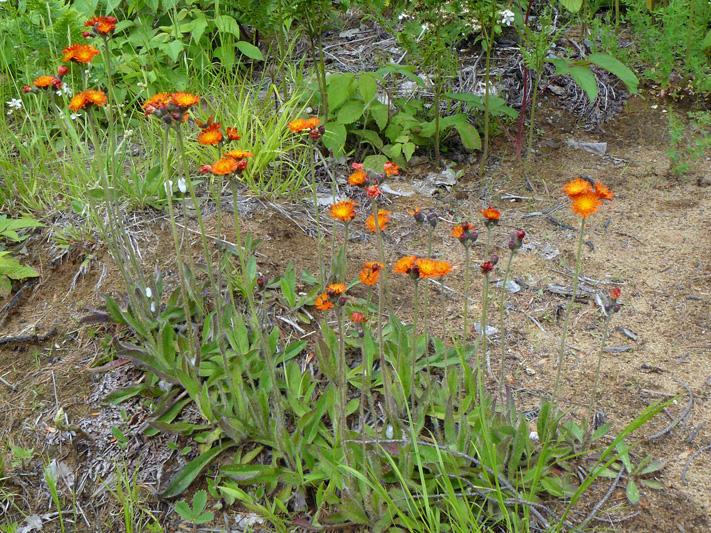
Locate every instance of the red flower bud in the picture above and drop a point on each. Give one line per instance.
(520, 235)
(242, 165)
(62, 71)
(26, 89)
(86, 34)
(487, 267)
(494, 259)
(615, 293)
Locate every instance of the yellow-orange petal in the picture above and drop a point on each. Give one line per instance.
(184, 100)
(404, 265)
(239, 154)
(603, 192)
(577, 186)
(586, 204)
(344, 211)
(357, 178)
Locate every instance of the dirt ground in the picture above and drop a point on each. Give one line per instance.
(651, 241)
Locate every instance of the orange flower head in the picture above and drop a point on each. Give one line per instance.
(358, 318)
(358, 167)
(184, 100)
(444, 268)
(344, 211)
(577, 187)
(239, 154)
(80, 53)
(368, 276)
(44, 81)
(311, 123)
(427, 268)
(405, 265)
(603, 192)
(586, 204)
(383, 219)
(232, 134)
(374, 265)
(391, 169)
(373, 191)
(335, 289)
(223, 167)
(323, 303)
(491, 216)
(86, 99)
(418, 215)
(465, 232)
(156, 102)
(358, 178)
(615, 293)
(102, 25)
(211, 134)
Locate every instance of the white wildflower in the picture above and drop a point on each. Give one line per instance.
(168, 186)
(74, 116)
(149, 292)
(153, 307)
(15, 103)
(507, 17)
(181, 185)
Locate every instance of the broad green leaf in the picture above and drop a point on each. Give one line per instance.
(469, 135)
(11, 268)
(199, 501)
(586, 79)
(371, 137)
(121, 395)
(367, 87)
(227, 24)
(186, 475)
(706, 42)
(572, 5)
(335, 137)
(616, 67)
(338, 89)
(375, 162)
(350, 112)
(173, 50)
(408, 149)
(249, 50)
(380, 114)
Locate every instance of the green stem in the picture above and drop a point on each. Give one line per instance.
(593, 394)
(342, 378)
(413, 358)
(466, 294)
(344, 263)
(322, 269)
(501, 322)
(437, 88)
(482, 338)
(531, 127)
(381, 255)
(561, 354)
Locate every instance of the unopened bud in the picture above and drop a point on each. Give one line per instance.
(342, 301)
(432, 219)
(86, 34)
(26, 89)
(62, 71)
(262, 281)
(512, 245)
(520, 235)
(167, 118)
(494, 259)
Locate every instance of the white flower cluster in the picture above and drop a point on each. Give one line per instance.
(507, 17)
(14, 105)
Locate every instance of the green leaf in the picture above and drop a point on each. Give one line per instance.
(371, 137)
(652, 484)
(553, 486)
(469, 135)
(632, 492)
(367, 87)
(227, 24)
(186, 475)
(380, 114)
(586, 79)
(199, 501)
(183, 509)
(121, 395)
(249, 50)
(616, 67)
(572, 5)
(335, 137)
(654, 466)
(350, 112)
(707, 41)
(11, 268)
(375, 162)
(173, 50)
(338, 89)
(408, 149)
(601, 431)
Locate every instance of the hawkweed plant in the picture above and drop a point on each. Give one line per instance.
(514, 244)
(586, 199)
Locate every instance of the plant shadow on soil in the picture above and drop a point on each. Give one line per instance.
(652, 240)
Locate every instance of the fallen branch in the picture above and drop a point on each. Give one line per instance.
(688, 462)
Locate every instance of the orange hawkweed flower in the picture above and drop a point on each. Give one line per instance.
(577, 187)
(223, 167)
(323, 303)
(344, 211)
(156, 102)
(369, 276)
(87, 99)
(405, 265)
(373, 191)
(232, 134)
(80, 53)
(239, 154)
(430, 268)
(312, 122)
(184, 100)
(102, 25)
(603, 192)
(335, 289)
(444, 268)
(211, 134)
(491, 215)
(357, 179)
(615, 293)
(383, 219)
(44, 81)
(586, 204)
(374, 265)
(358, 318)
(301, 124)
(391, 169)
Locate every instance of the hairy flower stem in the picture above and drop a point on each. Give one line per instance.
(387, 383)
(561, 354)
(111, 101)
(194, 348)
(593, 394)
(466, 294)
(344, 259)
(414, 343)
(342, 379)
(321, 266)
(482, 338)
(381, 254)
(501, 322)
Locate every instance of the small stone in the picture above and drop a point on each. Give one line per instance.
(530, 371)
